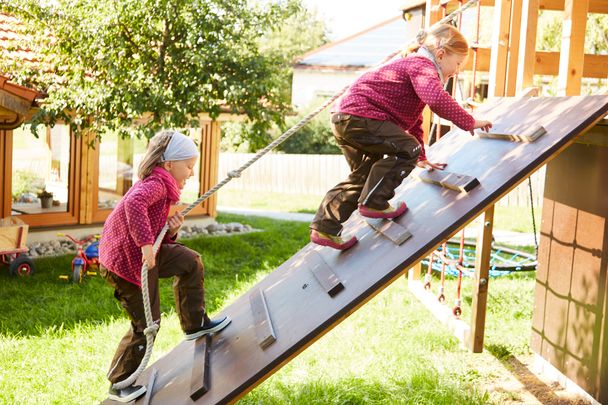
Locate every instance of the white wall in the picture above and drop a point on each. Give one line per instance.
(309, 83)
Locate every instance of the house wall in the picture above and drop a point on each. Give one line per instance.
(311, 83)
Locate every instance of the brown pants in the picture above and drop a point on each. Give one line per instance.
(380, 155)
(172, 260)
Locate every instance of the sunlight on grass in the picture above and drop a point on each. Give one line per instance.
(57, 339)
(517, 219)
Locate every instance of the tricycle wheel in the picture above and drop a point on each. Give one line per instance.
(22, 266)
(77, 273)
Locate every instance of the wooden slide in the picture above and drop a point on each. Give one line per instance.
(319, 287)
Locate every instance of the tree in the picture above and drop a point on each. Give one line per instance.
(108, 63)
(297, 34)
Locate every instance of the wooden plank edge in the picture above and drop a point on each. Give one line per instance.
(325, 276)
(390, 229)
(199, 380)
(262, 319)
(150, 386)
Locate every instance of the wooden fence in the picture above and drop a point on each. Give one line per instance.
(316, 174)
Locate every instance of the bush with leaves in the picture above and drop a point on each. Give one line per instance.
(142, 65)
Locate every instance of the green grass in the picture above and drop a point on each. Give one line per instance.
(517, 219)
(57, 339)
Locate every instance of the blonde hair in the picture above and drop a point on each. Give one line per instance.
(444, 36)
(154, 153)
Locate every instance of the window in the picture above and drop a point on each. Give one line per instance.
(119, 161)
(41, 171)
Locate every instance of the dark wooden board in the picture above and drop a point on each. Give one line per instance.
(453, 181)
(323, 274)
(299, 307)
(390, 229)
(199, 380)
(262, 322)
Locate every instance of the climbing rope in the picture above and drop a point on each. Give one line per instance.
(152, 327)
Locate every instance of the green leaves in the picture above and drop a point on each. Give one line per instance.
(110, 62)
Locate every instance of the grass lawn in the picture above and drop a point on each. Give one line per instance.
(517, 219)
(57, 339)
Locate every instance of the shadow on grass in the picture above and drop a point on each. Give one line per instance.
(33, 305)
(425, 386)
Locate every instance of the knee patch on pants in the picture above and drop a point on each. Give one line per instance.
(410, 153)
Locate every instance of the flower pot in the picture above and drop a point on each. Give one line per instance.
(46, 202)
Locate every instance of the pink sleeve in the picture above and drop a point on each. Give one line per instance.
(418, 133)
(428, 87)
(136, 208)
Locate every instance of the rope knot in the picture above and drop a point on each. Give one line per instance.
(233, 174)
(152, 329)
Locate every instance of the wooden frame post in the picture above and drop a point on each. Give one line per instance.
(88, 160)
(527, 48)
(432, 14)
(572, 55)
(481, 281)
(514, 44)
(500, 43)
(6, 155)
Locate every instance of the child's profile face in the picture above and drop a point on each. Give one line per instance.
(450, 63)
(181, 170)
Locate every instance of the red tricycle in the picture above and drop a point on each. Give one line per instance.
(13, 234)
(86, 259)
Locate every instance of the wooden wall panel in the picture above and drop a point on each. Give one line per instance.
(569, 326)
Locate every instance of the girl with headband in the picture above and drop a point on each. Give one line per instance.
(126, 242)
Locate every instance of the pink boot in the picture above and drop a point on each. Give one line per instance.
(390, 212)
(336, 242)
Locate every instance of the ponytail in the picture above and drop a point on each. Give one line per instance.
(444, 36)
(154, 153)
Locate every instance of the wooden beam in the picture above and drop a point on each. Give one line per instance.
(500, 43)
(6, 171)
(483, 60)
(441, 312)
(14, 103)
(514, 45)
(595, 6)
(527, 49)
(432, 12)
(544, 63)
(88, 161)
(572, 53)
(482, 278)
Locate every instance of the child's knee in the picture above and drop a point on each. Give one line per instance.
(411, 153)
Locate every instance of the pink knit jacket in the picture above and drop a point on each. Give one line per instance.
(135, 221)
(398, 92)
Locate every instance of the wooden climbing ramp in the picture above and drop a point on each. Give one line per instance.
(319, 287)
